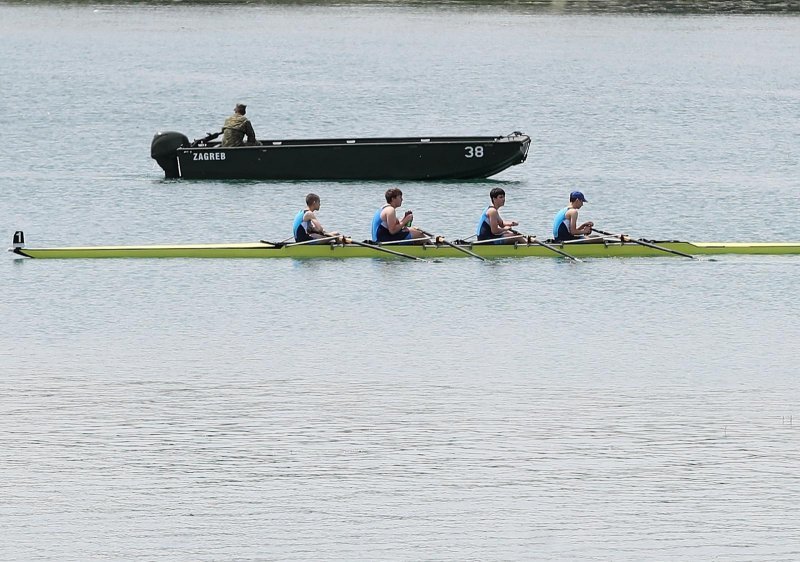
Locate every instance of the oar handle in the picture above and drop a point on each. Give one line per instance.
(516, 232)
(620, 236)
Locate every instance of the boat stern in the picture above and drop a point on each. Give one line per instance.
(164, 150)
(18, 243)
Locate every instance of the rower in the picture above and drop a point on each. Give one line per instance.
(565, 224)
(306, 224)
(491, 226)
(387, 228)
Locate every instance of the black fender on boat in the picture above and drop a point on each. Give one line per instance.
(164, 150)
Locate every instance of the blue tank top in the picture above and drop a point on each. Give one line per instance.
(377, 222)
(561, 218)
(298, 222)
(484, 230)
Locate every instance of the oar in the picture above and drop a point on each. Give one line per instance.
(551, 248)
(381, 249)
(460, 249)
(278, 244)
(645, 243)
(493, 240)
(446, 243)
(312, 241)
(405, 242)
(556, 250)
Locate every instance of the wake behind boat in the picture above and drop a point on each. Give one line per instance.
(409, 158)
(438, 248)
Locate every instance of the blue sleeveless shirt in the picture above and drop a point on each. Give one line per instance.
(481, 222)
(561, 218)
(299, 222)
(376, 223)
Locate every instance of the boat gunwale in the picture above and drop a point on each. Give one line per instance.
(365, 141)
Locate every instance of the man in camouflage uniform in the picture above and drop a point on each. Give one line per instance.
(236, 127)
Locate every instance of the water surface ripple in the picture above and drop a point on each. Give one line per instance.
(638, 409)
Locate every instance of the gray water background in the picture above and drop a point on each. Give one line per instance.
(638, 409)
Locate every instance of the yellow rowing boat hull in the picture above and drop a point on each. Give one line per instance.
(428, 251)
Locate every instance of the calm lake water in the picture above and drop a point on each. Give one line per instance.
(640, 409)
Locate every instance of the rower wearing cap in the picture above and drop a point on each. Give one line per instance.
(306, 224)
(491, 226)
(565, 225)
(387, 228)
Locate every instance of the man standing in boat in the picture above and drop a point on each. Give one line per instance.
(491, 225)
(306, 224)
(565, 224)
(387, 228)
(236, 127)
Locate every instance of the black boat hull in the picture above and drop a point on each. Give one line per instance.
(435, 158)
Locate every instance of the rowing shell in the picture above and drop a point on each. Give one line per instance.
(430, 251)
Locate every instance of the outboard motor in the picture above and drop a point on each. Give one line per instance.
(164, 150)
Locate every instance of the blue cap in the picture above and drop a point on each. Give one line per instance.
(577, 195)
